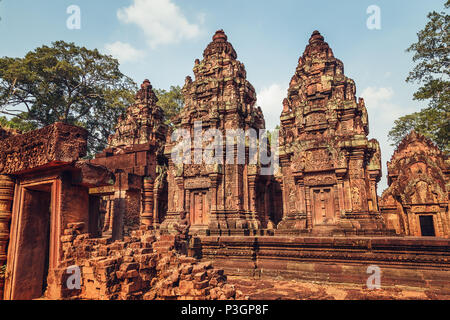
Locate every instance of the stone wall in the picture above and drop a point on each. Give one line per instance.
(141, 267)
(420, 263)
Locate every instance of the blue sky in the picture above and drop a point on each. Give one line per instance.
(160, 39)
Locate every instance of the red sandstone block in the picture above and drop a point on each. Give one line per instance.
(213, 282)
(166, 274)
(185, 259)
(131, 287)
(199, 292)
(69, 232)
(174, 277)
(103, 251)
(76, 226)
(67, 238)
(167, 238)
(148, 238)
(128, 258)
(167, 292)
(129, 266)
(201, 276)
(201, 285)
(132, 274)
(142, 259)
(146, 277)
(187, 277)
(197, 269)
(145, 250)
(185, 287)
(107, 262)
(187, 269)
(151, 295)
(135, 245)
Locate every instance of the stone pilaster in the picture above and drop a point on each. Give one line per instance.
(147, 199)
(6, 199)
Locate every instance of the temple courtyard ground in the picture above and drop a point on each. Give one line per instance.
(274, 289)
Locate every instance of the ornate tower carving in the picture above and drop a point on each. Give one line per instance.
(220, 198)
(143, 122)
(417, 200)
(135, 153)
(330, 169)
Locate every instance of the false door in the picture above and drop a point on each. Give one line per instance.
(323, 208)
(199, 209)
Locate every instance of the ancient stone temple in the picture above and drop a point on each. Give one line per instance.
(330, 169)
(168, 215)
(43, 188)
(417, 200)
(135, 155)
(226, 198)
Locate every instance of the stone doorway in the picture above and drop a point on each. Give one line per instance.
(323, 207)
(427, 226)
(199, 208)
(32, 244)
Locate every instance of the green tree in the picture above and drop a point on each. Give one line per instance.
(21, 123)
(432, 71)
(171, 102)
(65, 83)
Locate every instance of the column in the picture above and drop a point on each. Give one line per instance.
(147, 199)
(6, 198)
(156, 193)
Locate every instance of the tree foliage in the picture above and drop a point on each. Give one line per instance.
(171, 102)
(65, 83)
(432, 72)
(20, 123)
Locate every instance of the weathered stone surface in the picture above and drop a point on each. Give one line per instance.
(143, 123)
(330, 169)
(52, 185)
(91, 176)
(219, 198)
(7, 132)
(415, 262)
(52, 145)
(135, 154)
(69, 211)
(417, 200)
(135, 270)
(6, 199)
(276, 289)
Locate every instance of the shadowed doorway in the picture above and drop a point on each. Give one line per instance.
(33, 245)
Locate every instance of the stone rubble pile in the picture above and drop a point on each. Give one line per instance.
(141, 267)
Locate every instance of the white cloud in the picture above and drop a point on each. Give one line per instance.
(162, 21)
(270, 99)
(124, 52)
(380, 106)
(383, 111)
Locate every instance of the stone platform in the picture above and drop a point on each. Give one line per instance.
(404, 262)
(272, 289)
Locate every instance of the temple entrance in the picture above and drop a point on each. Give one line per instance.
(427, 226)
(33, 244)
(323, 209)
(199, 208)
